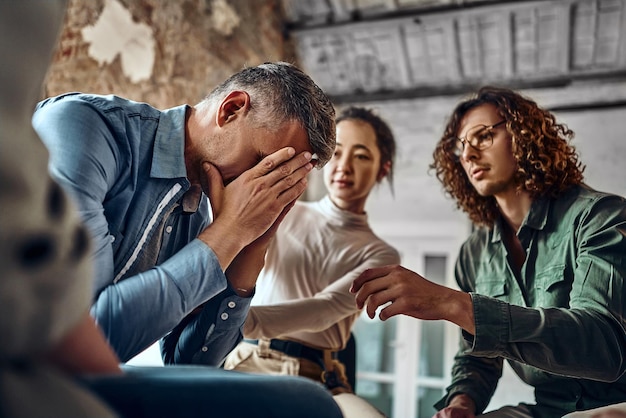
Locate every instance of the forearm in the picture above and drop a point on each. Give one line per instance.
(460, 310)
(224, 243)
(245, 268)
(315, 314)
(582, 343)
(83, 350)
(137, 311)
(463, 401)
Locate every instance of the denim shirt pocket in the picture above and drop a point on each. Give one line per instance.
(552, 289)
(494, 287)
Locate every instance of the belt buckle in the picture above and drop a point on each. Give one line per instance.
(330, 380)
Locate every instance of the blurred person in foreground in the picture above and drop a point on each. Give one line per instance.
(541, 278)
(48, 337)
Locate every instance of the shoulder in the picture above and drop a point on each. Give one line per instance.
(298, 210)
(583, 202)
(475, 245)
(103, 104)
(586, 195)
(479, 237)
(389, 252)
(375, 247)
(298, 221)
(304, 213)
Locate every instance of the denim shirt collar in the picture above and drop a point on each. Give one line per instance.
(536, 218)
(168, 158)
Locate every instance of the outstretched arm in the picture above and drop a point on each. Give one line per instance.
(325, 308)
(83, 350)
(410, 294)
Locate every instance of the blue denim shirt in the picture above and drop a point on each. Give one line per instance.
(123, 164)
(561, 324)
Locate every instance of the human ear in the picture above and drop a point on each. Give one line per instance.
(234, 105)
(384, 170)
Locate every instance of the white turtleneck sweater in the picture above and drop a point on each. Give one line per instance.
(302, 293)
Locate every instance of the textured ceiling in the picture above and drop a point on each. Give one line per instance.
(392, 48)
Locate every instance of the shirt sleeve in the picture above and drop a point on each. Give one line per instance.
(593, 322)
(138, 310)
(206, 337)
(335, 301)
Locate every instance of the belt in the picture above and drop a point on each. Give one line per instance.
(295, 349)
(334, 380)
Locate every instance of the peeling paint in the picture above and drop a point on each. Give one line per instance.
(224, 18)
(115, 34)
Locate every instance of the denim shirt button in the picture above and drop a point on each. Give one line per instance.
(231, 304)
(168, 229)
(205, 349)
(224, 316)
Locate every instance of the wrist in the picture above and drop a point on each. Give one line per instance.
(226, 246)
(462, 400)
(244, 287)
(244, 292)
(463, 312)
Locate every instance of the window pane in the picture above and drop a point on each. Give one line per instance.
(426, 398)
(435, 268)
(432, 338)
(431, 350)
(374, 344)
(375, 355)
(383, 400)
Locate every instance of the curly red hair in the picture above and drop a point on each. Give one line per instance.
(547, 164)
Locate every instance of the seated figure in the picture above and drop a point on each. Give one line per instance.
(54, 361)
(541, 277)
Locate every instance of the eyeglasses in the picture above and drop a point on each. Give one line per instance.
(480, 137)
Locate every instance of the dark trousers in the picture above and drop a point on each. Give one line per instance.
(198, 391)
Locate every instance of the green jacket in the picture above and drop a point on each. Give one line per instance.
(561, 326)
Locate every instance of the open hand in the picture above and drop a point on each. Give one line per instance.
(408, 293)
(250, 205)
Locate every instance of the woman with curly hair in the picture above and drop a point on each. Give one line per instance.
(541, 278)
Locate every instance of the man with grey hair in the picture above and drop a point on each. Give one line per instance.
(182, 203)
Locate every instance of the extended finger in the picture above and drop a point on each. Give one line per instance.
(370, 289)
(292, 186)
(392, 309)
(269, 163)
(368, 275)
(289, 172)
(375, 301)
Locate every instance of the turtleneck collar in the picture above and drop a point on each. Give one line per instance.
(340, 216)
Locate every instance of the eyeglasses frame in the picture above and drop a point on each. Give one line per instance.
(463, 140)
